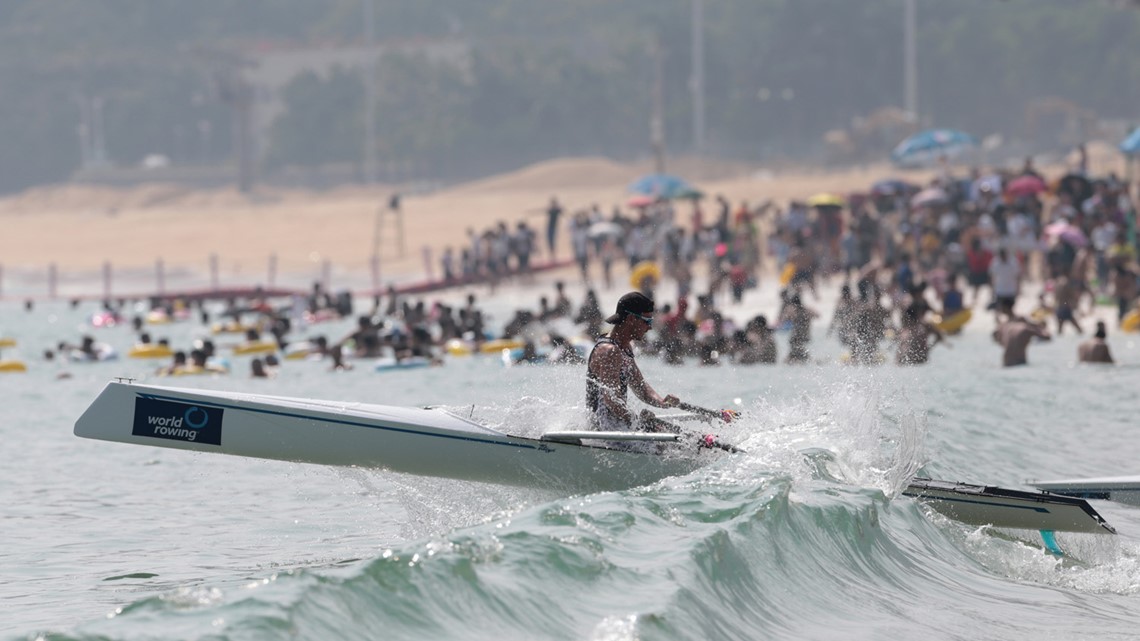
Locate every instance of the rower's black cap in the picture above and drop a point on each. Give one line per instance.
(631, 303)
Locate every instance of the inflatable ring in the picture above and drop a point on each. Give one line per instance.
(499, 344)
(787, 274)
(13, 366)
(955, 322)
(232, 328)
(157, 317)
(7, 342)
(194, 370)
(299, 351)
(256, 347)
(150, 350)
(456, 347)
(641, 271)
(1131, 321)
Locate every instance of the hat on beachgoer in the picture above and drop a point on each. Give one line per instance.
(631, 303)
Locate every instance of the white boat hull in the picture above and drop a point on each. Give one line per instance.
(430, 442)
(1122, 489)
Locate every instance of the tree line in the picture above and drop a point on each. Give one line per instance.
(128, 78)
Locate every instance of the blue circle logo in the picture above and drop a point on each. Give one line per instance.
(194, 412)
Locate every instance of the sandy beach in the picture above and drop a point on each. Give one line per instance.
(80, 228)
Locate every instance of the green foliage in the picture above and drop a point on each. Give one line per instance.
(544, 77)
(323, 123)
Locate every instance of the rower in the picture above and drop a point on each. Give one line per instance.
(611, 370)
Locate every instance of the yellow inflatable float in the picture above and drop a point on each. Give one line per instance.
(150, 350)
(457, 347)
(953, 323)
(232, 327)
(499, 344)
(1131, 321)
(255, 347)
(13, 366)
(787, 274)
(7, 342)
(643, 270)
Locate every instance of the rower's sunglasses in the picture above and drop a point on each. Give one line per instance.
(647, 319)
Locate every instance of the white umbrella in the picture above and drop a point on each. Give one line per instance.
(605, 228)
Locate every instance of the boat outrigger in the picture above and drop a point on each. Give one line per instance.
(438, 442)
(1122, 489)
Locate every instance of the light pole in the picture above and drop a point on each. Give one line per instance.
(910, 59)
(369, 93)
(698, 79)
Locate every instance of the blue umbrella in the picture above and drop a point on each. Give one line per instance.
(927, 146)
(1131, 144)
(662, 186)
(892, 187)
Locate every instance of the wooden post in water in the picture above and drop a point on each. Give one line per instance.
(375, 264)
(160, 277)
(272, 278)
(53, 278)
(107, 280)
(429, 269)
(326, 274)
(213, 272)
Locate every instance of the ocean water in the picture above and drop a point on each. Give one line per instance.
(804, 537)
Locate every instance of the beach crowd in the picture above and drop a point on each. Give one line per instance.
(911, 262)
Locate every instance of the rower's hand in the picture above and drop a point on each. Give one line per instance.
(670, 401)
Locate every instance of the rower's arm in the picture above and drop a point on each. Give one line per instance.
(647, 393)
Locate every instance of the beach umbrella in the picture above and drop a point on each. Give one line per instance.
(826, 200)
(1067, 233)
(641, 200)
(928, 146)
(604, 228)
(1131, 144)
(929, 197)
(1027, 185)
(661, 186)
(892, 187)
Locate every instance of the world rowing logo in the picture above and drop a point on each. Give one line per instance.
(177, 421)
(196, 418)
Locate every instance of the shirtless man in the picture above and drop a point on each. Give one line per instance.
(1014, 336)
(1068, 295)
(1095, 349)
(611, 370)
(914, 348)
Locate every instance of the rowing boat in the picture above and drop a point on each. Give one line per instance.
(424, 441)
(1122, 489)
(433, 441)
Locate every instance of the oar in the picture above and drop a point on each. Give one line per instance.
(703, 440)
(722, 415)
